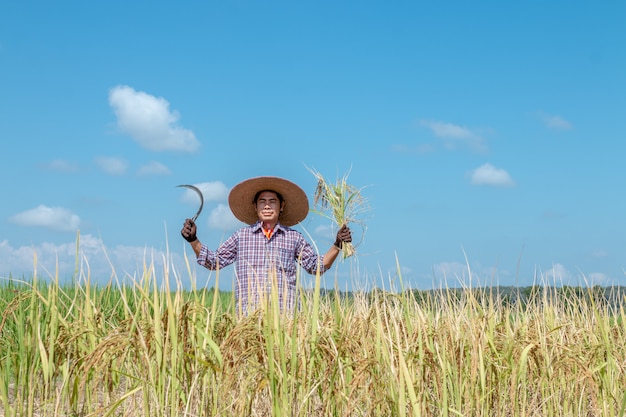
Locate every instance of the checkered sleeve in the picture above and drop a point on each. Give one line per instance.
(225, 254)
(308, 258)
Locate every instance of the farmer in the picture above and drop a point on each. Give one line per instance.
(268, 249)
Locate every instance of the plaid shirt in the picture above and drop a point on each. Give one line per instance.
(261, 261)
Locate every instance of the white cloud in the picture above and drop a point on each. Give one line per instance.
(470, 274)
(454, 136)
(211, 191)
(154, 168)
(112, 165)
(54, 218)
(451, 274)
(599, 254)
(450, 268)
(487, 174)
(61, 165)
(447, 130)
(221, 218)
(597, 278)
(149, 121)
(556, 122)
(557, 274)
(96, 261)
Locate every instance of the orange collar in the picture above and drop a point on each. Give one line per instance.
(267, 232)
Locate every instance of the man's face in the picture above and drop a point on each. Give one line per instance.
(268, 207)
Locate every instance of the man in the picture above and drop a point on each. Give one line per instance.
(266, 251)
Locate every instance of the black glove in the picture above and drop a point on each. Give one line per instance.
(189, 231)
(343, 235)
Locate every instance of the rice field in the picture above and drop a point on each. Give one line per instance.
(149, 350)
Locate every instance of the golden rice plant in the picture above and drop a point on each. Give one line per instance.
(143, 348)
(341, 202)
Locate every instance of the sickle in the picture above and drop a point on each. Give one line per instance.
(197, 190)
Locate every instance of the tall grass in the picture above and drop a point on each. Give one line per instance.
(150, 350)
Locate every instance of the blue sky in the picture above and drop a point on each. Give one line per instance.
(489, 137)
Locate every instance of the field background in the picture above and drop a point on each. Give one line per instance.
(150, 350)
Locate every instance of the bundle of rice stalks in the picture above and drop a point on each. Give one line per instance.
(340, 202)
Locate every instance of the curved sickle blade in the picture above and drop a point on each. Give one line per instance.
(197, 190)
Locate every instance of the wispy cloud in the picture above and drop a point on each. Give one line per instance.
(211, 191)
(94, 259)
(489, 175)
(599, 254)
(61, 165)
(54, 218)
(148, 120)
(451, 273)
(597, 278)
(221, 218)
(112, 165)
(555, 122)
(455, 136)
(153, 168)
(558, 274)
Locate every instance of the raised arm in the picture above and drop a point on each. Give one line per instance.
(189, 234)
(343, 235)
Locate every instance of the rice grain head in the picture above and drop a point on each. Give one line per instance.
(340, 202)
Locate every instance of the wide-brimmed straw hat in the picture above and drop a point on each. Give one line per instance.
(241, 199)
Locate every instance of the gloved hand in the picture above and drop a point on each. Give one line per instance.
(343, 235)
(189, 231)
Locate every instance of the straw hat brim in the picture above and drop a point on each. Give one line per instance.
(241, 199)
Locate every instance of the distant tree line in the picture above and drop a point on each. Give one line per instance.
(535, 295)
